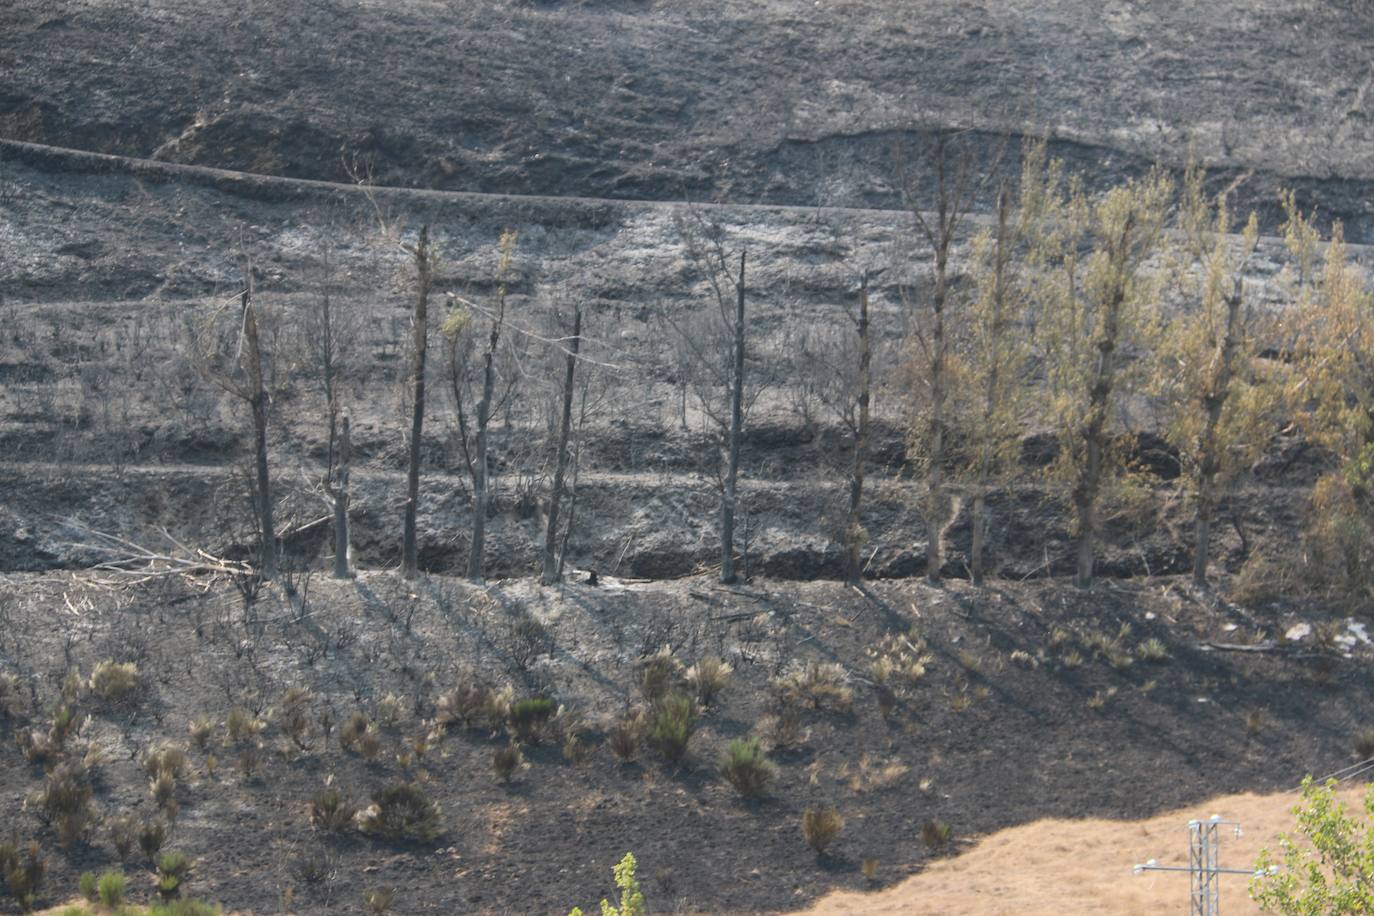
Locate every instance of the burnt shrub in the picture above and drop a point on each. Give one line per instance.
(401, 811)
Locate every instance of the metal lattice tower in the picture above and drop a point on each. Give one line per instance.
(1204, 867)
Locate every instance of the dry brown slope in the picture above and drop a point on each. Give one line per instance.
(1055, 866)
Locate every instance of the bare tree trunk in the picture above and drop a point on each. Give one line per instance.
(854, 527)
(423, 280)
(1089, 483)
(992, 390)
(1210, 464)
(257, 400)
(550, 575)
(479, 464)
(935, 510)
(728, 493)
(572, 490)
(343, 549)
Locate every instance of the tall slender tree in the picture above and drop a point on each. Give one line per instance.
(477, 375)
(1096, 312)
(551, 571)
(422, 255)
(990, 364)
(245, 376)
(1223, 402)
(937, 222)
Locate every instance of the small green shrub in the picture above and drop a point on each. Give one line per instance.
(746, 767)
(87, 885)
(401, 811)
(528, 716)
(631, 897)
(173, 868)
(820, 826)
(672, 725)
(1325, 871)
(113, 681)
(111, 889)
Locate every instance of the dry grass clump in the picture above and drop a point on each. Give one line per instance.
(707, 678)
(871, 774)
(23, 870)
(241, 725)
(200, 729)
(816, 684)
(360, 736)
(899, 661)
(782, 730)
(1153, 650)
(935, 834)
(297, 716)
(11, 703)
(46, 747)
(1262, 581)
(471, 703)
(165, 758)
(65, 801)
(662, 673)
(820, 826)
(331, 810)
(505, 760)
(627, 733)
(113, 681)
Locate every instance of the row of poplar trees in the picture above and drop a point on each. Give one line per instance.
(1060, 311)
(1080, 306)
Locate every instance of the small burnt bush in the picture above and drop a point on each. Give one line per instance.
(401, 811)
(529, 716)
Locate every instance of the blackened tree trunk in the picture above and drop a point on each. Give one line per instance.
(343, 547)
(1213, 402)
(854, 526)
(477, 547)
(423, 282)
(729, 491)
(551, 564)
(1088, 486)
(258, 400)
